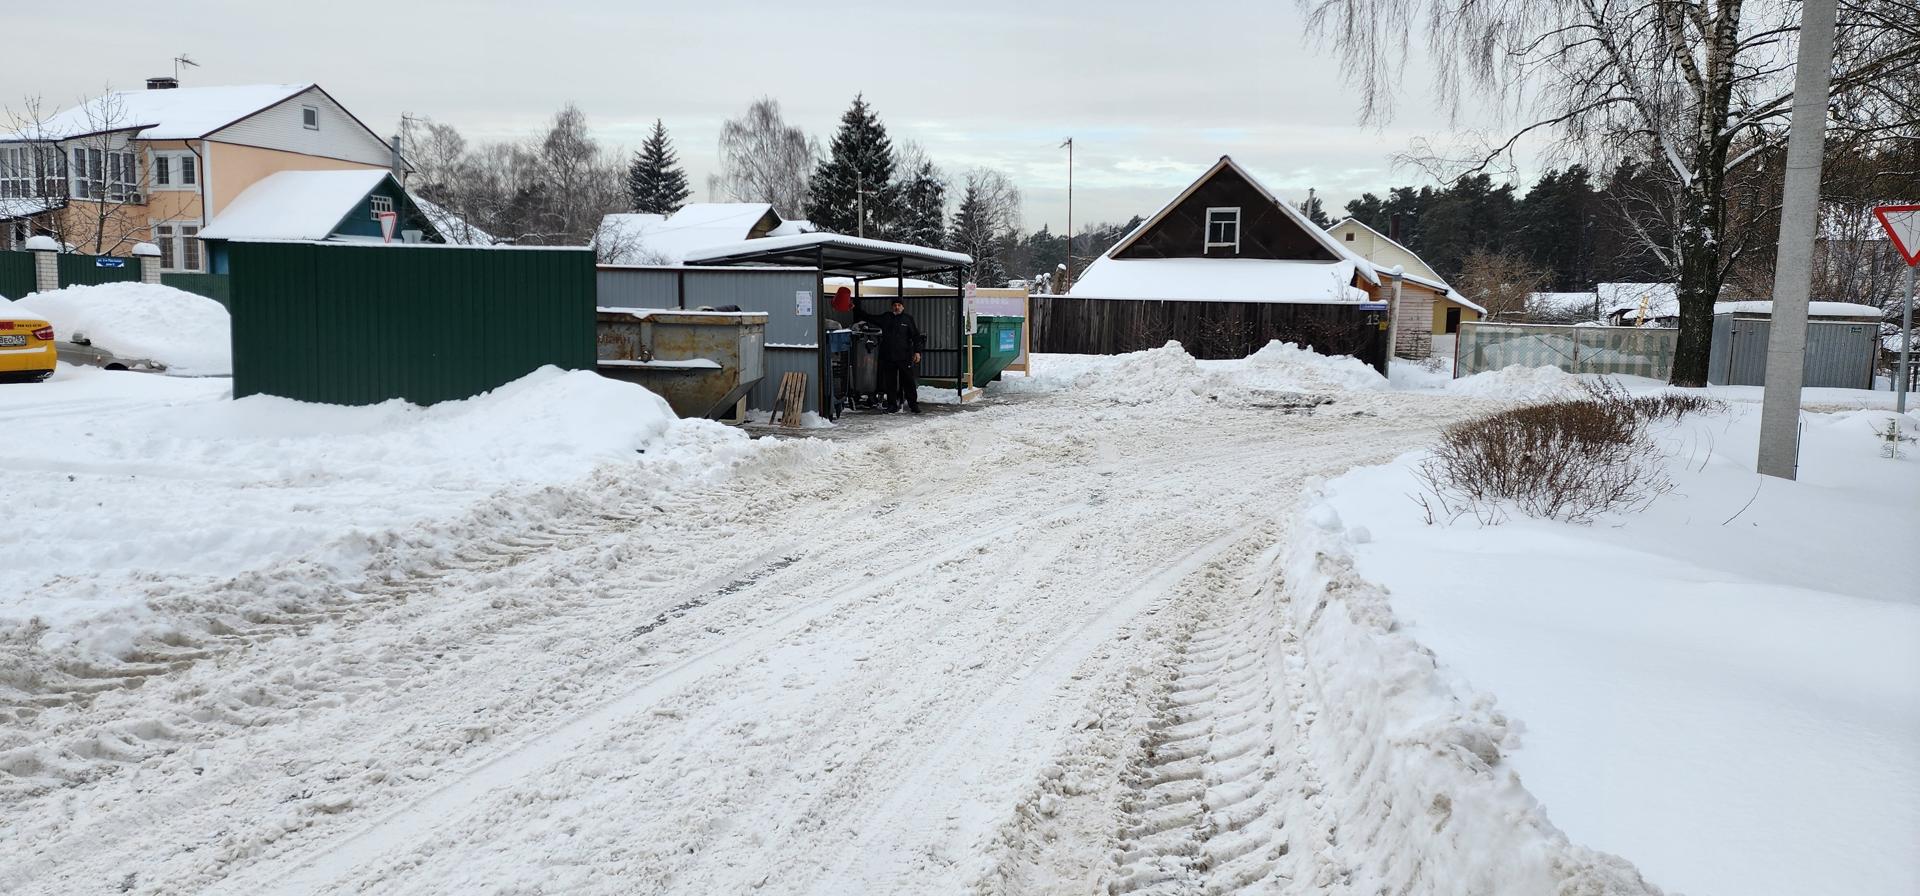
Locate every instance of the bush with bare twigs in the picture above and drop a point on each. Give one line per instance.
(1572, 459)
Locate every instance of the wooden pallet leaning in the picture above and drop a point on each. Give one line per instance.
(792, 400)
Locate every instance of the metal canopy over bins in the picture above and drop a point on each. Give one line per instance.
(942, 318)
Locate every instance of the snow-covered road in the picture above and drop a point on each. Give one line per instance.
(1017, 649)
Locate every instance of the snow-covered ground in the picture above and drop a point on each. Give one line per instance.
(1101, 636)
(1725, 687)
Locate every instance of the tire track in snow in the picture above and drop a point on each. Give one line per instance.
(405, 825)
(970, 750)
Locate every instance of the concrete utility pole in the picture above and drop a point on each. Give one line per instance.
(1069, 146)
(1793, 272)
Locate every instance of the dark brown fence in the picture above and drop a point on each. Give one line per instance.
(1086, 326)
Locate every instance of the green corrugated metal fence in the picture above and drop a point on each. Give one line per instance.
(16, 274)
(350, 324)
(213, 286)
(85, 270)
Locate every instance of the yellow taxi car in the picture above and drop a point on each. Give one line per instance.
(26, 347)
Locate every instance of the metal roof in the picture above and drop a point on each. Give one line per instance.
(834, 253)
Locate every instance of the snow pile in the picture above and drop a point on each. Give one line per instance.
(147, 479)
(1518, 384)
(1423, 776)
(1731, 669)
(1170, 374)
(189, 333)
(1286, 366)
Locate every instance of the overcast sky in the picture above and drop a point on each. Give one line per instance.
(1153, 93)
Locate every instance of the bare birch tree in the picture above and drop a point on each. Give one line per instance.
(1702, 87)
(764, 159)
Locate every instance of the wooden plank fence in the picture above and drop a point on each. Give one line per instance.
(1214, 330)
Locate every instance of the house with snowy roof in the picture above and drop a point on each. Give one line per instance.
(320, 206)
(1447, 308)
(1223, 267)
(157, 165)
(641, 239)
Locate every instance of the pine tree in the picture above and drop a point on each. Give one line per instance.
(857, 178)
(923, 207)
(655, 180)
(1315, 211)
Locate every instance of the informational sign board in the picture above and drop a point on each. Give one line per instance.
(803, 302)
(109, 262)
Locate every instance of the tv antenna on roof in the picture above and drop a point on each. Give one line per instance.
(180, 60)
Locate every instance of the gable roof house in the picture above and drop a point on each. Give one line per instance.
(156, 165)
(1446, 308)
(319, 206)
(1223, 268)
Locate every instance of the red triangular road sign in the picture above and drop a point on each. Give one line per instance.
(1903, 227)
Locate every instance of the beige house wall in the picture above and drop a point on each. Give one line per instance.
(1440, 306)
(231, 169)
(1379, 250)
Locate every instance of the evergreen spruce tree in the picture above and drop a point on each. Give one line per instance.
(655, 181)
(1315, 211)
(923, 207)
(857, 174)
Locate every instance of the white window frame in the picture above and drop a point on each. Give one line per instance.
(175, 162)
(314, 113)
(180, 249)
(380, 204)
(1228, 215)
(103, 175)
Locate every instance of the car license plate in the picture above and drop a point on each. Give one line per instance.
(13, 340)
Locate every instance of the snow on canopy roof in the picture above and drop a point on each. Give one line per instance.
(294, 205)
(643, 238)
(1261, 280)
(21, 208)
(1366, 268)
(1814, 309)
(841, 250)
(182, 113)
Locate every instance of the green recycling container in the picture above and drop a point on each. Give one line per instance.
(996, 343)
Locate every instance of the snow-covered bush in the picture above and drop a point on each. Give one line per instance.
(1572, 460)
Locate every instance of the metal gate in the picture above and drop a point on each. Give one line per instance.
(1839, 353)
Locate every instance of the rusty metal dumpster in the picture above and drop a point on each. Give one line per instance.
(701, 362)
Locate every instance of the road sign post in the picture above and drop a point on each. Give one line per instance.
(1902, 223)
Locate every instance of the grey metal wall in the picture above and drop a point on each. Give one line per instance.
(780, 362)
(636, 288)
(1839, 353)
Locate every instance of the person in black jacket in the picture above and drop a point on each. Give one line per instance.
(900, 345)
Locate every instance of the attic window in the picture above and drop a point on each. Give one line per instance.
(1223, 229)
(1349, 237)
(380, 204)
(310, 117)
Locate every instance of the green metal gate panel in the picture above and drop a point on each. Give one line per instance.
(87, 270)
(16, 274)
(359, 324)
(213, 286)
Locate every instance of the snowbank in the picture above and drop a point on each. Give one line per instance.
(1724, 688)
(1169, 373)
(1427, 800)
(189, 333)
(141, 480)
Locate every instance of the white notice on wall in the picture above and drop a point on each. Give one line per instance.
(803, 302)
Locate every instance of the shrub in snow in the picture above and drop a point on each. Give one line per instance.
(1571, 460)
